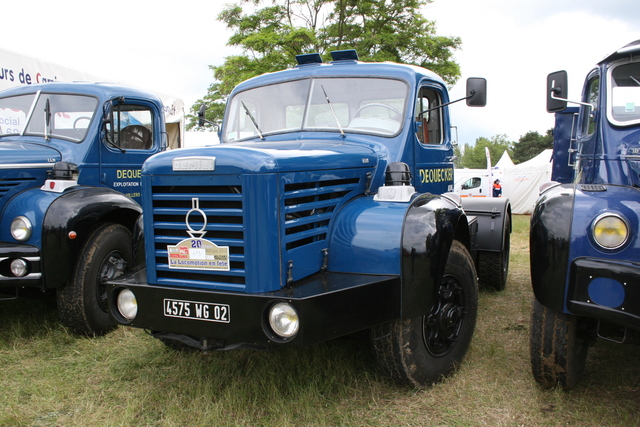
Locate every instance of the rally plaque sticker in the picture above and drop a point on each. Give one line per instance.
(198, 254)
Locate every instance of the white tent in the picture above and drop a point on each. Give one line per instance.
(520, 183)
(504, 162)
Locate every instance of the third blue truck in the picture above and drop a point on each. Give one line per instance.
(585, 248)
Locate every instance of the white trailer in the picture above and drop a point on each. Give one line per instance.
(17, 69)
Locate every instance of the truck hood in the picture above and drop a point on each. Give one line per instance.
(267, 157)
(23, 165)
(20, 154)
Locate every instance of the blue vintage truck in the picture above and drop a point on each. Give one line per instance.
(325, 211)
(585, 248)
(70, 166)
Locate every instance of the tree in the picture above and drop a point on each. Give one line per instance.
(271, 36)
(474, 156)
(530, 145)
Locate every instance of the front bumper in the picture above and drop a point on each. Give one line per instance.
(329, 305)
(606, 290)
(31, 256)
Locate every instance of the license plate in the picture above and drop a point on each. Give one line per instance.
(206, 311)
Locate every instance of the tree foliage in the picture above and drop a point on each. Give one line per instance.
(530, 145)
(474, 157)
(273, 32)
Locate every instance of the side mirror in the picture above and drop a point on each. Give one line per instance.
(201, 111)
(476, 92)
(106, 112)
(557, 91)
(164, 140)
(107, 122)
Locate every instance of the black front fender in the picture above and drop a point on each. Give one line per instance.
(79, 210)
(431, 224)
(549, 242)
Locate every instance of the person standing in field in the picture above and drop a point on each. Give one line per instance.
(497, 188)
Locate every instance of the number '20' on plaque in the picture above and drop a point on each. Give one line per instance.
(198, 254)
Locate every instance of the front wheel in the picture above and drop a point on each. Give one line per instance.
(423, 350)
(82, 303)
(558, 347)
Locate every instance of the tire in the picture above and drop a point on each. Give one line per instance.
(493, 267)
(558, 347)
(82, 303)
(421, 351)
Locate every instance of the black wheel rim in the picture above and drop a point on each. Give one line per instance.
(112, 266)
(442, 326)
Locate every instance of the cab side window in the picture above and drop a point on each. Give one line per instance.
(131, 127)
(428, 121)
(589, 123)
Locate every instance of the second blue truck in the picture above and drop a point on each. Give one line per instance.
(326, 210)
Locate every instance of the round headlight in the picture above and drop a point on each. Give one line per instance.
(19, 267)
(21, 228)
(127, 304)
(610, 231)
(283, 320)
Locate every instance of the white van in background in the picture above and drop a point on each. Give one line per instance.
(472, 182)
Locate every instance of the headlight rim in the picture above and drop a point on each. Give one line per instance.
(602, 216)
(128, 316)
(21, 265)
(27, 229)
(278, 335)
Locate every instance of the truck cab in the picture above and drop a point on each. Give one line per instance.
(584, 228)
(326, 210)
(70, 187)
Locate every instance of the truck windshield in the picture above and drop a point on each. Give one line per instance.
(624, 102)
(48, 115)
(362, 105)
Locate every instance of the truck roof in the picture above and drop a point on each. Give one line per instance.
(100, 90)
(343, 68)
(624, 51)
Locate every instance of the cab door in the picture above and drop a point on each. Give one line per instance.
(131, 135)
(433, 152)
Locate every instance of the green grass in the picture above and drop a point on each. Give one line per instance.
(52, 378)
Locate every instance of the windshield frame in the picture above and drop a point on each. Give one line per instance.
(67, 129)
(611, 86)
(318, 96)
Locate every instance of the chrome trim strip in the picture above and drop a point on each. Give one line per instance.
(26, 165)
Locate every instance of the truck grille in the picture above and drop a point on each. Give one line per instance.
(308, 207)
(223, 207)
(7, 184)
(276, 232)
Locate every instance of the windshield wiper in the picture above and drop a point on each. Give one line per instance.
(47, 119)
(334, 113)
(253, 121)
(635, 80)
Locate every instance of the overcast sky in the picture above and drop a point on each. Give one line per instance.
(168, 47)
